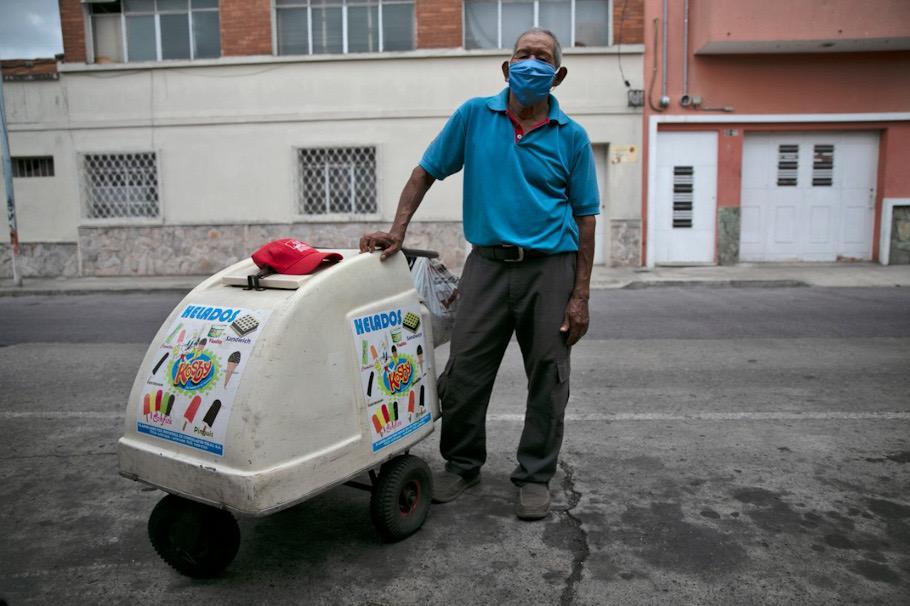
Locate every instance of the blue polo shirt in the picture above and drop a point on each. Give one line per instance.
(523, 191)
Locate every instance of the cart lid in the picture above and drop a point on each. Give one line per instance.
(238, 276)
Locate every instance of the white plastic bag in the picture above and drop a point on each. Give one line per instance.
(438, 288)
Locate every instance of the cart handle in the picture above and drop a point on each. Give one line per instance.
(416, 252)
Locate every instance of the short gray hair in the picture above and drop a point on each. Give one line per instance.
(539, 30)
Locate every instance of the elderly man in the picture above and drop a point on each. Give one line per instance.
(530, 196)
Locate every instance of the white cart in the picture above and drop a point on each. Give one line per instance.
(249, 401)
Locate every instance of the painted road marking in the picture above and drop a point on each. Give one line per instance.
(723, 416)
(583, 417)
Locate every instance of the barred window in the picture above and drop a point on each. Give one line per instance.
(336, 181)
(120, 186)
(315, 27)
(498, 23)
(34, 166)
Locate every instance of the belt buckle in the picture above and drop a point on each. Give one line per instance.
(521, 254)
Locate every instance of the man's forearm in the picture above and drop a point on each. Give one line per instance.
(411, 196)
(585, 259)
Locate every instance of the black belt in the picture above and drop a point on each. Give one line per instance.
(507, 253)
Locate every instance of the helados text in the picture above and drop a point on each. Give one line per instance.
(215, 314)
(377, 322)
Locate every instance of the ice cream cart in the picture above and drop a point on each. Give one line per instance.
(251, 400)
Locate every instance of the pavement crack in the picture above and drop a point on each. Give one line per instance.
(578, 541)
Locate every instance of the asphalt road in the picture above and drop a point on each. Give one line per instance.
(723, 446)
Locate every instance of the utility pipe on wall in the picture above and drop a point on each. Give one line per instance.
(685, 99)
(664, 99)
(8, 183)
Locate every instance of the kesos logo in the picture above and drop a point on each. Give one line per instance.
(194, 374)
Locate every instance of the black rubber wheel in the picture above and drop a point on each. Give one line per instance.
(195, 539)
(401, 497)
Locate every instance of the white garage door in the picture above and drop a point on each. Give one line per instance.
(808, 196)
(686, 198)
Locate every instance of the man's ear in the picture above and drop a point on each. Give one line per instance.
(505, 70)
(560, 76)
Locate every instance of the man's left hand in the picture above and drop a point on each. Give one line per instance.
(576, 320)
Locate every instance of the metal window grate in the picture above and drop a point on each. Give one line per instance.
(787, 165)
(683, 189)
(33, 166)
(120, 186)
(823, 165)
(336, 180)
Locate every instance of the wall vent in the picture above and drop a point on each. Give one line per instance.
(823, 165)
(787, 165)
(683, 183)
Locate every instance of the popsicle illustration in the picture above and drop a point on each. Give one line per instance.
(171, 336)
(160, 362)
(421, 397)
(370, 384)
(166, 409)
(385, 413)
(209, 418)
(410, 404)
(363, 355)
(420, 357)
(147, 406)
(158, 400)
(191, 410)
(181, 337)
(395, 409)
(376, 424)
(233, 361)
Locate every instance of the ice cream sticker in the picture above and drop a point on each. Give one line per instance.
(390, 346)
(194, 376)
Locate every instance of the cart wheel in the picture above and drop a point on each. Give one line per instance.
(196, 540)
(401, 497)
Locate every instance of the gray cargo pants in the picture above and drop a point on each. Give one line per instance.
(498, 298)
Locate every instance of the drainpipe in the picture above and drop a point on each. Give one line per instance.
(685, 99)
(664, 99)
(8, 183)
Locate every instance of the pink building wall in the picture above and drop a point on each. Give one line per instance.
(775, 21)
(776, 83)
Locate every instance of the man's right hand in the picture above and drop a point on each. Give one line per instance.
(387, 242)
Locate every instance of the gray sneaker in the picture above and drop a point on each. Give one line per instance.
(447, 486)
(533, 502)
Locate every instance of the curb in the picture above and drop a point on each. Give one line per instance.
(717, 284)
(41, 292)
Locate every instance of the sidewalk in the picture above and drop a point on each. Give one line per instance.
(745, 275)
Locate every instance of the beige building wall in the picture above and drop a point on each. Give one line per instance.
(225, 132)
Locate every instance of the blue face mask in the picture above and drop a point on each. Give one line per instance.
(530, 80)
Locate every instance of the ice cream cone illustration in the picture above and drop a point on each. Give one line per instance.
(233, 361)
(191, 410)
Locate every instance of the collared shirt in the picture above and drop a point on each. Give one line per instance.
(522, 190)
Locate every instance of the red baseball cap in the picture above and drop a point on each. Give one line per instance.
(290, 256)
